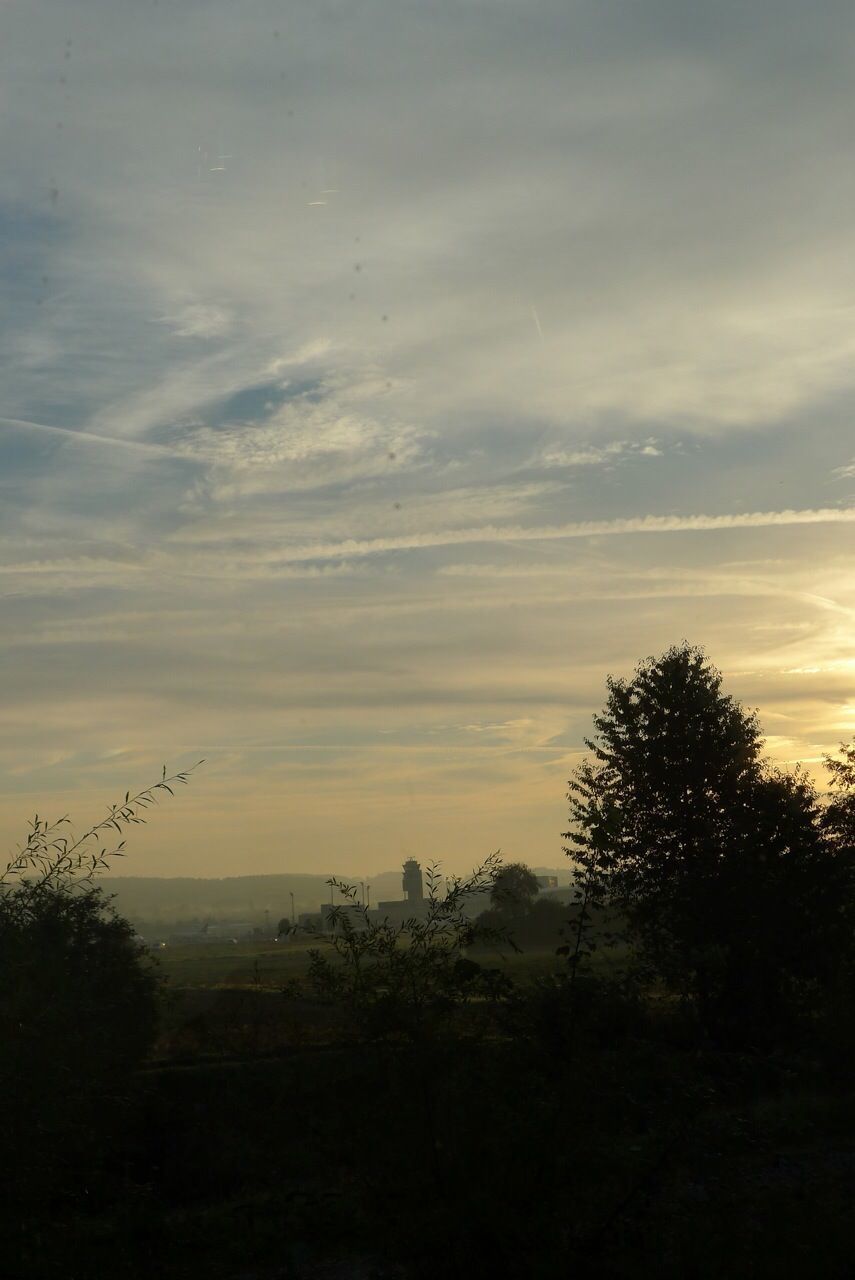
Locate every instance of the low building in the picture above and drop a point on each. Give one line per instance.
(333, 914)
(400, 909)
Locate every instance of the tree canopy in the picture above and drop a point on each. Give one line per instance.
(718, 860)
(79, 996)
(514, 888)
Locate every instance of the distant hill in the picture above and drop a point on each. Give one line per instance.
(189, 901)
(176, 900)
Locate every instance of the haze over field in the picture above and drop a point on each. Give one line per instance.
(377, 378)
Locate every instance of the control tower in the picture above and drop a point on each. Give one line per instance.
(413, 887)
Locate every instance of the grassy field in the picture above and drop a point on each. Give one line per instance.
(237, 997)
(228, 964)
(269, 1137)
(270, 965)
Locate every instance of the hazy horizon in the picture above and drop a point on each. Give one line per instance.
(378, 379)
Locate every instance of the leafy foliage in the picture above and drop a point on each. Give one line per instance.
(398, 978)
(78, 994)
(78, 1012)
(50, 858)
(839, 814)
(590, 1126)
(514, 888)
(717, 859)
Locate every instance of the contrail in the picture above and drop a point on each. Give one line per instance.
(536, 319)
(579, 529)
(89, 437)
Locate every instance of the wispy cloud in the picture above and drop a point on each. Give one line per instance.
(598, 455)
(74, 435)
(307, 486)
(579, 529)
(200, 320)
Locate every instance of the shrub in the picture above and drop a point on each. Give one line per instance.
(400, 980)
(78, 1012)
(78, 1003)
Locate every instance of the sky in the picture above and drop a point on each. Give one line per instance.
(376, 379)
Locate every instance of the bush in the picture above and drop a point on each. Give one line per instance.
(78, 1004)
(404, 980)
(78, 1012)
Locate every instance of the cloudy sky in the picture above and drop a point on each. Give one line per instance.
(377, 378)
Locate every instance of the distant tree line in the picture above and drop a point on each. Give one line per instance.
(519, 911)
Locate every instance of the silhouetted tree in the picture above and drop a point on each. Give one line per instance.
(398, 977)
(544, 923)
(514, 888)
(78, 997)
(837, 1034)
(839, 815)
(78, 1012)
(717, 860)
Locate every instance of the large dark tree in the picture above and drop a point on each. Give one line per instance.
(78, 1012)
(839, 814)
(718, 862)
(79, 1004)
(514, 888)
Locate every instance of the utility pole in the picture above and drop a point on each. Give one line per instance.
(368, 891)
(292, 909)
(362, 882)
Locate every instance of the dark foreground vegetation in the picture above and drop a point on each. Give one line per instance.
(671, 1096)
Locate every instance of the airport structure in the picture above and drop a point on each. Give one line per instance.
(412, 884)
(413, 904)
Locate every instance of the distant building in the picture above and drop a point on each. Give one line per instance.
(396, 912)
(414, 890)
(413, 906)
(401, 909)
(545, 883)
(330, 915)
